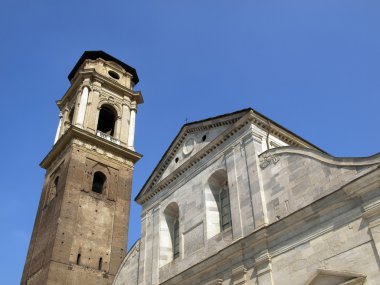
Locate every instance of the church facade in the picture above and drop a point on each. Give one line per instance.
(236, 199)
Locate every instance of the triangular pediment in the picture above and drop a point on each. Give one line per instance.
(332, 277)
(197, 139)
(191, 139)
(194, 141)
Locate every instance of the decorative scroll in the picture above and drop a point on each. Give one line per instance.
(268, 158)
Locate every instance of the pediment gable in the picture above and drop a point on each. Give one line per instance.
(197, 139)
(191, 139)
(193, 142)
(332, 277)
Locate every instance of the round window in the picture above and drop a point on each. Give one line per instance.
(113, 74)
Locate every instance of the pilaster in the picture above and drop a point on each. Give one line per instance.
(237, 230)
(92, 105)
(143, 253)
(156, 246)
(245, 195)
(239, 275)
(255, 182)
(149, 247)
(263, 266)
(372, 214)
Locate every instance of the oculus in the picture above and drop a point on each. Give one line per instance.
(113, 74)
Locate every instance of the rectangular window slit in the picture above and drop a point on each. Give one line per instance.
(100, 263)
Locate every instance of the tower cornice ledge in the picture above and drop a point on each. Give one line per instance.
(105, 82)
(77, 133)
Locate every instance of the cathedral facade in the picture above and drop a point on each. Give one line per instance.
(236, 199)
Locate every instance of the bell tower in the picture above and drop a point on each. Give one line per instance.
(81, 227)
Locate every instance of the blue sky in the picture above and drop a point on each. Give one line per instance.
(312, 66)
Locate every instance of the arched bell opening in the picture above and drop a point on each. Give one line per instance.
(107, 120)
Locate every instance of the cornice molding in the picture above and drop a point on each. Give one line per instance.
(76, 133)
(322, 157)
(96, 84)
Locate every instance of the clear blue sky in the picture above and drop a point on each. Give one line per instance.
(312, 66)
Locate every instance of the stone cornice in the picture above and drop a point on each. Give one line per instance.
(364, 184)
(77, 133)
(273, 155)
(94, 76)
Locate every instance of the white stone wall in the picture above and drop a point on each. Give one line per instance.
(292, 219)
(200, 233)
(128, 271)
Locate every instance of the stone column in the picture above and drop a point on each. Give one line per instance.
(234, 195)
(117, 127)
(125, 117)
(57, 134)
(82, 107)
(131, 135)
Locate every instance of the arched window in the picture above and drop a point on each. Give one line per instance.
(175, 238)
(225, 209)
(98, 182)
(218, 209)
(170, 237)
(107, 118)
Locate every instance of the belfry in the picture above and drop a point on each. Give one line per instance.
(81, 227)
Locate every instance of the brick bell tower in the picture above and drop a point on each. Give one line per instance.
(80, 231)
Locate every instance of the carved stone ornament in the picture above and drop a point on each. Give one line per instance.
(97, 89)
(268, 158)
(188, 146)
